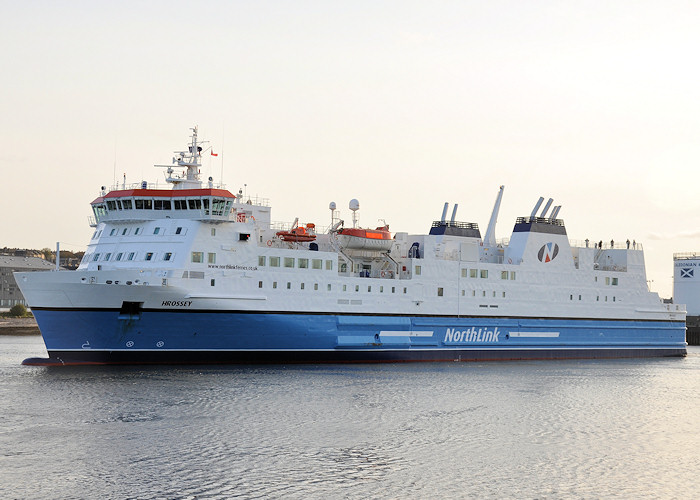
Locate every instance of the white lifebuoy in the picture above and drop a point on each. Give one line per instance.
(269, 243)
(382, 274)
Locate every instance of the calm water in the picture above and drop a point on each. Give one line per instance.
(584, 429)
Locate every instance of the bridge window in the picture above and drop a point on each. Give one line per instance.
(131, 256)
(512, 275)
(118, 257)
(484, 273)
(198, 257)
(156, 230)
(167, 256)
(195, 204)
(316, 263)
(464, 272)
(125, 231)
(144, 204)
(303, 263)
(218, 206)
(274, 262)
(95, 257)
(127, 204)
(472, 273)
(137, 232)
(113, 231)
(149, 255)
(418, 270)
(211, 258)
(329, 265)
(614, 281)
(504, 275)
(261, 260)
(178, 230)
(108, 256)
(161, 204)
(289, 262)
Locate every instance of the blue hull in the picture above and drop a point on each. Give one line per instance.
(193, 337)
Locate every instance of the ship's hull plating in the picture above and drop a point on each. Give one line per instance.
(88, 336)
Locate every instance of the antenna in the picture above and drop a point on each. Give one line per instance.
(354, 206)
(332, 206)
(221, 177)
(114, 182)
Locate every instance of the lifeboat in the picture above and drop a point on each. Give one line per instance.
(366, 239)
(298, 234)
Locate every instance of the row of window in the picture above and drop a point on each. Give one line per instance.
(218, 206)
(291, 262)
(127, 256)
(597, 298)
(137, 231)
(345, 288)
(474, 273)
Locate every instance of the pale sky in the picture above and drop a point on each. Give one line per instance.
(403, 105)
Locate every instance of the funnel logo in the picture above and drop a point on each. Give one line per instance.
(548, 252)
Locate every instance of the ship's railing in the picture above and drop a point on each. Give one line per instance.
(539, 220)
(686, 255)
(633, 245)
(675, 307)
(461, 225)
(287, 226)
(156, 185)
(619, 269)
(252, 200)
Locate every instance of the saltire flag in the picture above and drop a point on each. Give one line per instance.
(686, 272)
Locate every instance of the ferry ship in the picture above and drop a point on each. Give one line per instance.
(197, 274)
